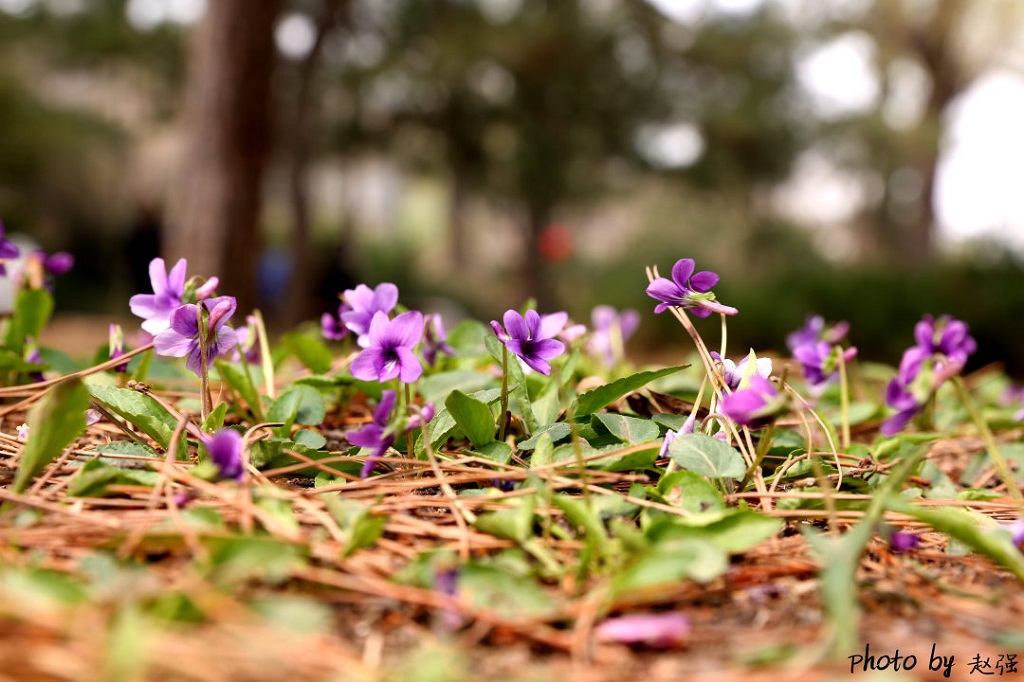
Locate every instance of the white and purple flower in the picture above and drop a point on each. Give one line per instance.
(388, 353)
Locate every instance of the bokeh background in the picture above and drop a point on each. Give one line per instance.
(860, 159)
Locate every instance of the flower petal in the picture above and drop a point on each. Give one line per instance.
(409, 367)
(516, 325)
(384, 407)
(703, 281)
(666, 291)
(365, 365)
(551, 324)
(405, 330)
(682, 271)
(170, 343)
(176, 278)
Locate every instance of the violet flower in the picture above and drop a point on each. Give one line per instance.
(435, 340)
(182, 338)
(940, 352)
(901, 542)
(379, 434)
(655, 630)
(8, 249)
(688, 290)
(671, 435)
(116, 346)
(530, 337)
(168, 289)
(753, 404)
(332, 327)
(611, 331)
(248, 348)
(820, 362)
(364, 303)
(59, 263)
(225, 448)
(389, 351)
(814, 330)
(734, 372)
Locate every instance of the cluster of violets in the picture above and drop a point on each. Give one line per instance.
(940, 352)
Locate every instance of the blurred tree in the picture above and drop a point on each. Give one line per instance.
(227, 121)
(925, 56)
(547, 105)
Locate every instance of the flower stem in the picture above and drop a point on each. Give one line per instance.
(990, 443)
(265, 358)
(408, 432)
(844, 400)
(204, 359)
(504, 393)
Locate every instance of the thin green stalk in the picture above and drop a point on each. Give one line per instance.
(265, 357)
(408, 432)
(844, 401)
(504, 393)
(257, 409)
(206, 400)
(990, 443)
(577, 449)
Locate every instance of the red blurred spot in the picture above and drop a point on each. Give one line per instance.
(556, 242)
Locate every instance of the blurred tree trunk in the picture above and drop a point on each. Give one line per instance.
(227, 123)
(300, 133)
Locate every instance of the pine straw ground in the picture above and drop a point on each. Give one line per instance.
(766, 605)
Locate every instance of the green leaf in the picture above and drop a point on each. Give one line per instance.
(602, 396)
(95, 478)
(310, 351)
(141, 410)
(628, 429)
(298, 405)
(240, 559)
(32, 310)
(472, 416)
(707, 456)
(236, 377)
(125, 447)
(361, 527)
(555, 433)
(496, 452)
(507, 594)
(672, 562)
(54, 422)
(738, 531)
(970, 528)
(690, 491)
(311, 439)
(512, 524)
(436, 387)
(215, 420)
(580, 515)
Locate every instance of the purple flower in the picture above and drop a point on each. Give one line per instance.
(820, 362)
(530, 337)
(379, 434)
(752, 405)
(183, 336)
(389, 351)
(364, 303)
(941, 351)
(734, 372)
(248, 348)
(671, 435)
(814, 330)
(332, 326)
(656, 630)
(57, 263)
(901, 542)
(688, 290)
(611, 331)
(8, 249)
(225, 448)
(435, 340)
(116, 345)
(375, 436)
(168, 289)
(1016, 530)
